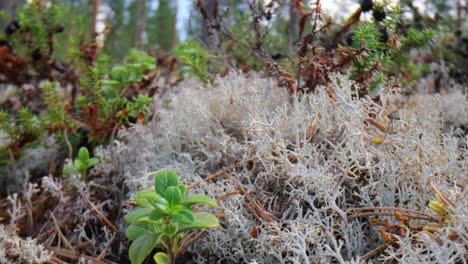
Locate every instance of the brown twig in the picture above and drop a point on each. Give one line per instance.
(59, 232)
(366, 214)
(377, 124)
(220, 215)
(191, 240)
(222, 171)
(76, 256)
(252, 211)
(373, 253)
(99, 215)
(259, 208)
(222, 197)
(444, 199)
(104, 251)
(55, 260)
(389, 209)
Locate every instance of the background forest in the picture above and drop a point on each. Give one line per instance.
(315, 131)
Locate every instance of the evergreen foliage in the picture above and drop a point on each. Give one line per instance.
(161, 27)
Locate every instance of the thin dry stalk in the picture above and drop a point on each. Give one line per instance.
(442, 196)
(222, 197)
(190, 242)
(359, 215)
(99, 215)
(259, 208)
(373, 253)
(411, 211)
(222, 171)
(76, 256)
(377, 124)
(59, 232)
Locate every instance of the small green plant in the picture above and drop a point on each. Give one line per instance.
(441, 207)
(81, 164)
(194, 60)
(135, 109)
(164, 216)
(20, 130)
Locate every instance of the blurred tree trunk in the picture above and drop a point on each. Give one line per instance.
(117, 38)
(162, 31)
(96, 4)
(140, 24)
(174, 25)
(11, 8)
(208, 36)
(293, 23)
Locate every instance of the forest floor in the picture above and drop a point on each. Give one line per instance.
(324, 178)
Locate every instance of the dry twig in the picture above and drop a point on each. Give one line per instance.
(99, 215)
(59, 232)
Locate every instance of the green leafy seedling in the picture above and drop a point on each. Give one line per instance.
(164, 216)
(81, 164)
(194, 60)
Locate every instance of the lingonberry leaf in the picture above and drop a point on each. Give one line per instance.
(164, 179)
(141, 247)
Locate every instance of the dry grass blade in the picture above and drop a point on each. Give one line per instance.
(252, 211)
(50, 230)
(190, 241)
(104, 251)
(100, 215)
(259, 208)
(59, 232)
(377, 124)
(442, 196)
(55, 260)
(222, 197)
(76, 257)
(411, 211)
(373, 253)
(222, 171)
(366, 214)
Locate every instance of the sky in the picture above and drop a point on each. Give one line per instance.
(183, 14)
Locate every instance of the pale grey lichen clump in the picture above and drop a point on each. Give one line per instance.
(296, 171)
(34, 161)
(23, 250)
(308, 162)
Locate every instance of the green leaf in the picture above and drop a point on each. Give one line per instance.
(70, 170)
(202, 220)
(141, 247)
(175, 242)
(170, 230)
(185, 217)
(137, 214)
(110, 83)
(92, 162)
(199, 199)
(182, 188)
(83, 154)
(164, 179)
(137, 229)
(161, 258)
(119, 74)
(146, 198)
(79, 165)
(173, 196)
(157, 214)
(162, 204)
